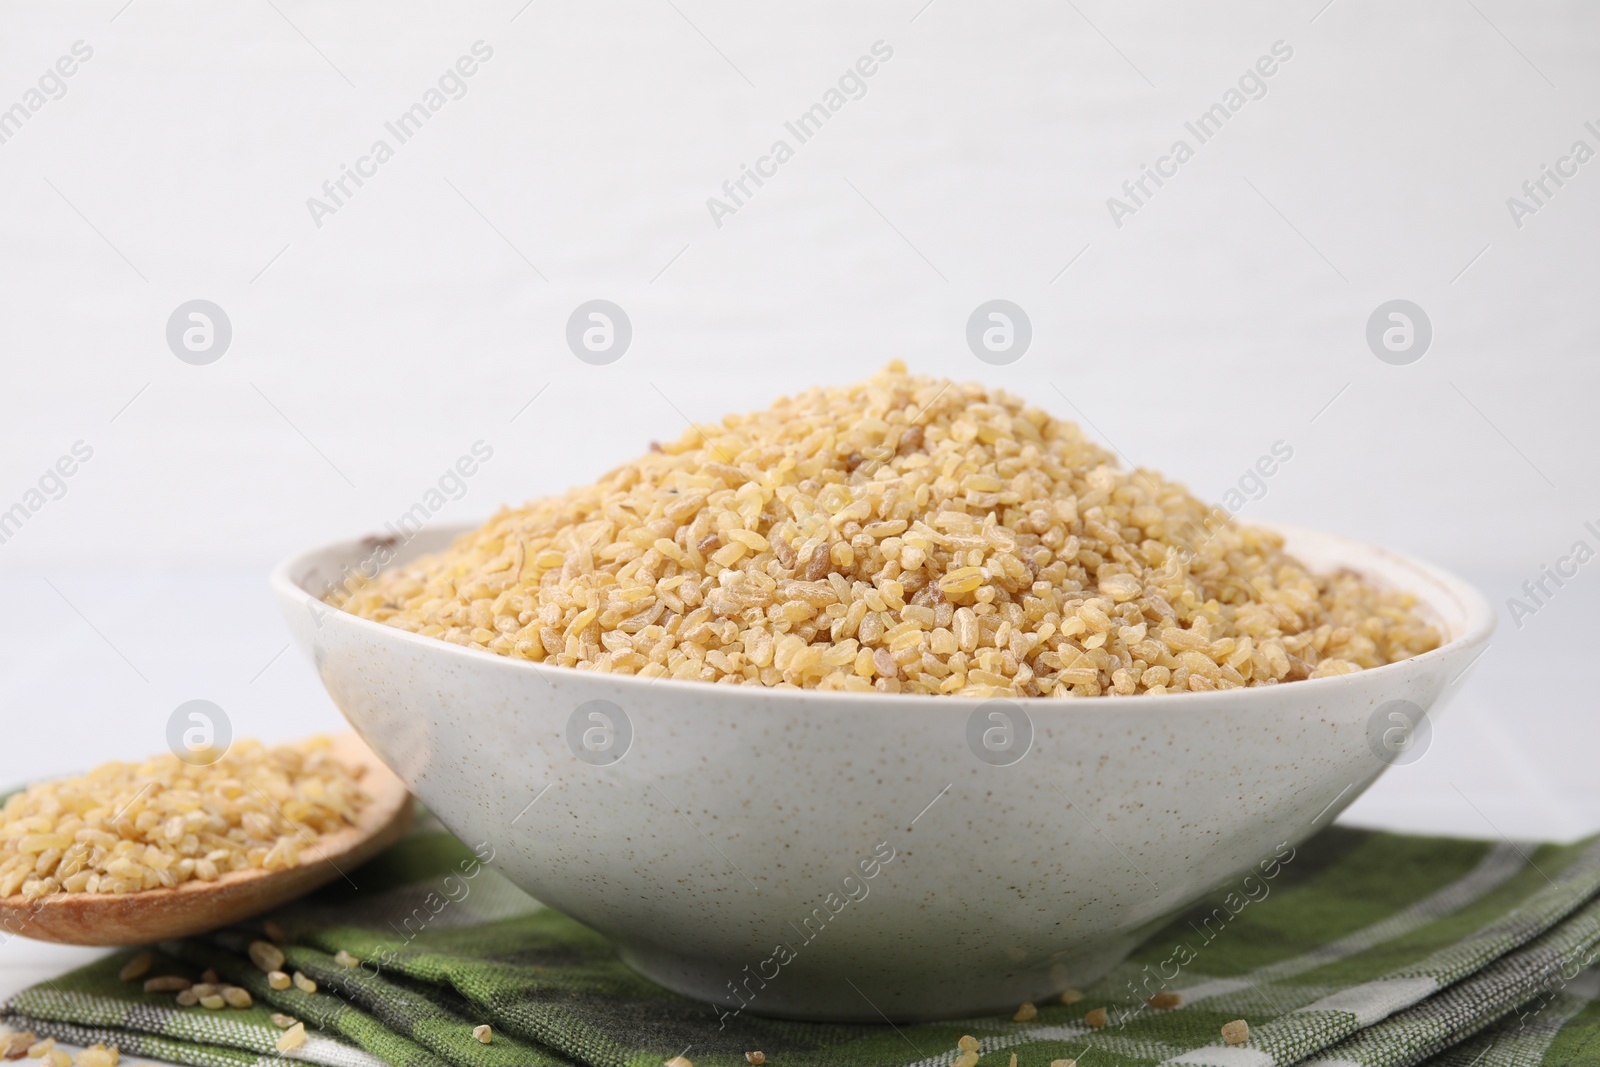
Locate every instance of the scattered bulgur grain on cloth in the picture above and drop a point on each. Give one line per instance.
(137, 967)
(904, 534)
(266, 956)
(292, 1038)
(97, 1056)
(1236, 1032)
(166, 983)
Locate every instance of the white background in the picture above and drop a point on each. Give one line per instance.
(372, 351)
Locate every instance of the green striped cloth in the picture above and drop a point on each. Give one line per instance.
(1357, 949)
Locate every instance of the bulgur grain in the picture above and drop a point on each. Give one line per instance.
(187, 998)
(1164, 1000)
(98, 1056)
(483, 1032)
(757, 1058)
(267, 956)
(304, 984)
(137, 967)
(1025, 1012)
(1096, 1018)
(804, 545)
(292, 1038)
(126, 827)
(278, 980)
(345, 959)
(237, 997)
(214, 1001)
(968, 1043)
(1236, 1032)
(38, 1049)
(166, 983)
(1071, 996)
(282, 1021)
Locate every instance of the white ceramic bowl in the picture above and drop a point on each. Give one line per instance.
(847, 857)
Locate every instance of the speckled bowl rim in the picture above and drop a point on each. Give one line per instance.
(1472, 619)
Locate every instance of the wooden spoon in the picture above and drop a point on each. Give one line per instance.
(195, 906)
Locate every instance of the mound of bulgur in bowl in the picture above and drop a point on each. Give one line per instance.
(905, 534)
